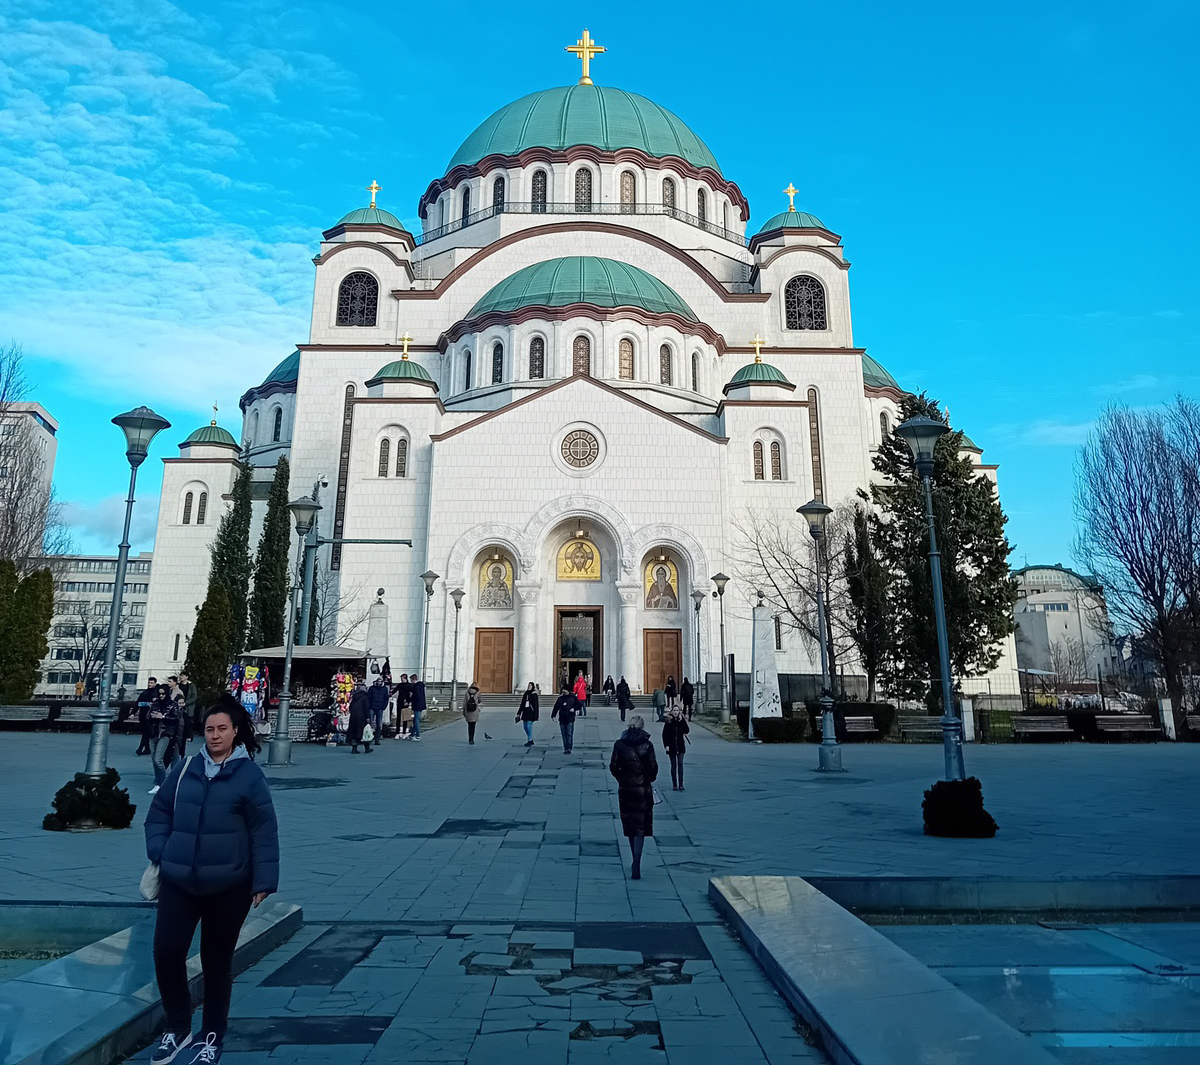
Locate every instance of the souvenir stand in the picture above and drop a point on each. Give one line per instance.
(323, 678)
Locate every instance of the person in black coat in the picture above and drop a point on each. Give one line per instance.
(164, 722)
(403, 694)
(144, 701)
(377, 700)
(674, 730)
(527, 712)
(671, 691)
(624, 699)
(360, 714)
(565, 709)
(418, 708)
(212, 832)
(609, 689)
(635, 768)
(687, 696)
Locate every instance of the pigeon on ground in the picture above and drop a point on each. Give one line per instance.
(486, 736)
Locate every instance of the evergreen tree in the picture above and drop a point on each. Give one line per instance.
(26, 610)
(979, 589)
(208, 655)
(268, 601)
(867, 589)
(231, 562)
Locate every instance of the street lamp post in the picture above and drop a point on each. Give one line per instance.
(304, 512)
(829, 754)
(720, 580)
(457, 596)
(698, 597)
(922, 435)
(430, 578)
(140, 426)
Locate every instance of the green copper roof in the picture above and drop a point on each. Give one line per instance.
(758, 373)
(874, 375)
(212, 434)
(403, 370)
(286, 371)
(792, 220)
(583, 279)
(597, 115)
(371, 216)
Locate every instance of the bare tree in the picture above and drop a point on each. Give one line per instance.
(337, 612)
(1068, 661)
(84, 634)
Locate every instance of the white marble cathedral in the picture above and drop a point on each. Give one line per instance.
(553, 390)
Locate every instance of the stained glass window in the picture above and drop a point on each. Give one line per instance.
(201, 508)
(581, 356)
(385, 455)
(814, 444)
(402, 458)
(358, 299)
(884, 427)
(539, 192)
(498, 195)
(778, 633)
(695, 372)
(187, 509)
(758, 460)
(583, 189)
(537, 359)
(776, 461)
(701, 206)
(466, 204)
(804, 303)
(628, 192)
(580, 448)
(664, 365)
(668, 192)
(625, 359)
(277, 427)
(497, 363)
(466, 371)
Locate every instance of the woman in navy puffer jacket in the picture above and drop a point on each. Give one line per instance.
(212, 833)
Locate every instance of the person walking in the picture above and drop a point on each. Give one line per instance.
(687, 696)
(189, 702)
(144, 700)
(635, 768)
(164, 717)
(403, 693)
(660, 704)
(472, 705)
(527, 712)
(581, 693)
(212, 833)
(624, 699)
(360, 717)
(609, 689)
(377, 701)
(183, 731)
(671, 691)
(418, 708)
(565, 708)
(674, 730)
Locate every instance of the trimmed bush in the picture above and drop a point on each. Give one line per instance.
(955, 808)
(779, 729)
(84, 801)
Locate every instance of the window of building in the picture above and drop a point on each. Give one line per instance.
(581, 355)
(625, 359)
(202, 508)
(583, 189)
(701, 206)
(100, 609)
(758, 460)
(402, 458)
(466, 204)
(466, 371)
(695, 371)
(778, 633)
(175, 653)
(497, 363)
(725, 216)
(664, 365)
(135, 633)
(804, 303)
(498, 195)
(128, 678)
(254, 428)
(1056, 608)
(539, 192)
(137, 610)
(776, 461)
(669, 192)
(442, 213)
(358, 300)
(628, 192)
(814, 444)
(537, 359)
(277, 427)
(187, 509)
(884, 426)
(133, 654)
(385, 457)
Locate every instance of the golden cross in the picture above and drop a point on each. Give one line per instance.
(214, 421)
(405, 341)
(373, 188)
(585, 48)
(790, 193)
(757, 343)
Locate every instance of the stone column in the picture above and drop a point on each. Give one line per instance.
(630, 592)
(527, 597)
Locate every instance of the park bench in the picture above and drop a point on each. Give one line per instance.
(1041, 726)
(23, 713)
(1132, 725)
(858, 728)
(1193, 722)
(919, 727)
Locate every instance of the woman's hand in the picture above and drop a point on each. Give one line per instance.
(259, 898)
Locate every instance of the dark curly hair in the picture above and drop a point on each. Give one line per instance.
(243, 727)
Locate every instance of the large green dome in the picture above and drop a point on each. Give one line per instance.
(596, 115)
(875, 376)
(583, 279)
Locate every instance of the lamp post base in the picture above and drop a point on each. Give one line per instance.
(97, 756)
(829, 754)
(279, 751)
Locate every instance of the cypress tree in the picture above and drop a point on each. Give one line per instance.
(979, 589)
(25, 616)
(867, 589)
(208, 655)
(231, 561)
(268, 601)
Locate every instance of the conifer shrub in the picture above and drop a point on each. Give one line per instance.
(85, 802)
(779, 729)
(955, 808)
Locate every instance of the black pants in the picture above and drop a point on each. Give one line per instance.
(145, 727)
(676, 767)
(220, 917)
(471, 730)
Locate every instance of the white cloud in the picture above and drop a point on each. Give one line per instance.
(1057, 433)
(98, 525)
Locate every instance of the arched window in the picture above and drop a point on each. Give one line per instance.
(701, 206)
(187, 509)
(725, 216)
(201, 508)
(695, 371)
(277, 426)
(358, 299)
(442, 213)
(625, 359)
(254, 428)
(497, 363)
(402, 457)
(778, 633)
(581, 356)
(804, 303)
(664, 365)
(814, 444)
(466, 204)
(385, 457)
(466, 371)
(583, 189)
(884, 426)
(498, 195)
(628, 192)
(669, 192)
(175, 652)
(776, 461)
(758, 460)
(537, 359)
(539, 192)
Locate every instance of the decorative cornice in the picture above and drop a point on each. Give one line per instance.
(761, 403)
(271, 388)
(357, 227)
(431, 400)
(787, 385)
(886, 391)
(771, 234)
(577, 152)
(404, 264)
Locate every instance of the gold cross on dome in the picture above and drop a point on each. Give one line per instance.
(585, 48)
(373, 188)
(757, 344)
(214, 421)
(405, 340)
(790, 193)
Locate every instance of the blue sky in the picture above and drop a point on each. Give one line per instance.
(1014, 184)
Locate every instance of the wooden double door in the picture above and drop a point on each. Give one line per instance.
(494, 660)
(662, 656)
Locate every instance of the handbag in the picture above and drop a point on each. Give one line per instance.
(657, 795)
(151, 878)
(368, 735)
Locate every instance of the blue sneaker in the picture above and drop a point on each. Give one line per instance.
(206, 1053)
(169, 1048)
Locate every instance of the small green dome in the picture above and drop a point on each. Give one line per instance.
(875, 376)
(371, 216)
(403, 370)
(595, 115)
(583, 279)
(792, 220)
(213, 434)
(758, 373)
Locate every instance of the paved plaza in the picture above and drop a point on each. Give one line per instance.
(472, 903)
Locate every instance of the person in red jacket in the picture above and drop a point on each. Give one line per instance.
(581, 693)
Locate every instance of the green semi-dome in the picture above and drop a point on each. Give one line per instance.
(371, 216)
(583, 279)
(213, 434)
(286, 372)
(403, 370)
(875, 376)
(758, 373)
(595, 115)
(791, 220)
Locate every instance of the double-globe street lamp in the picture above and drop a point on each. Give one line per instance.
(720, 580)
(457, 596)
(922, 435)
(430, 578)
(829, 754)
(140, 426)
